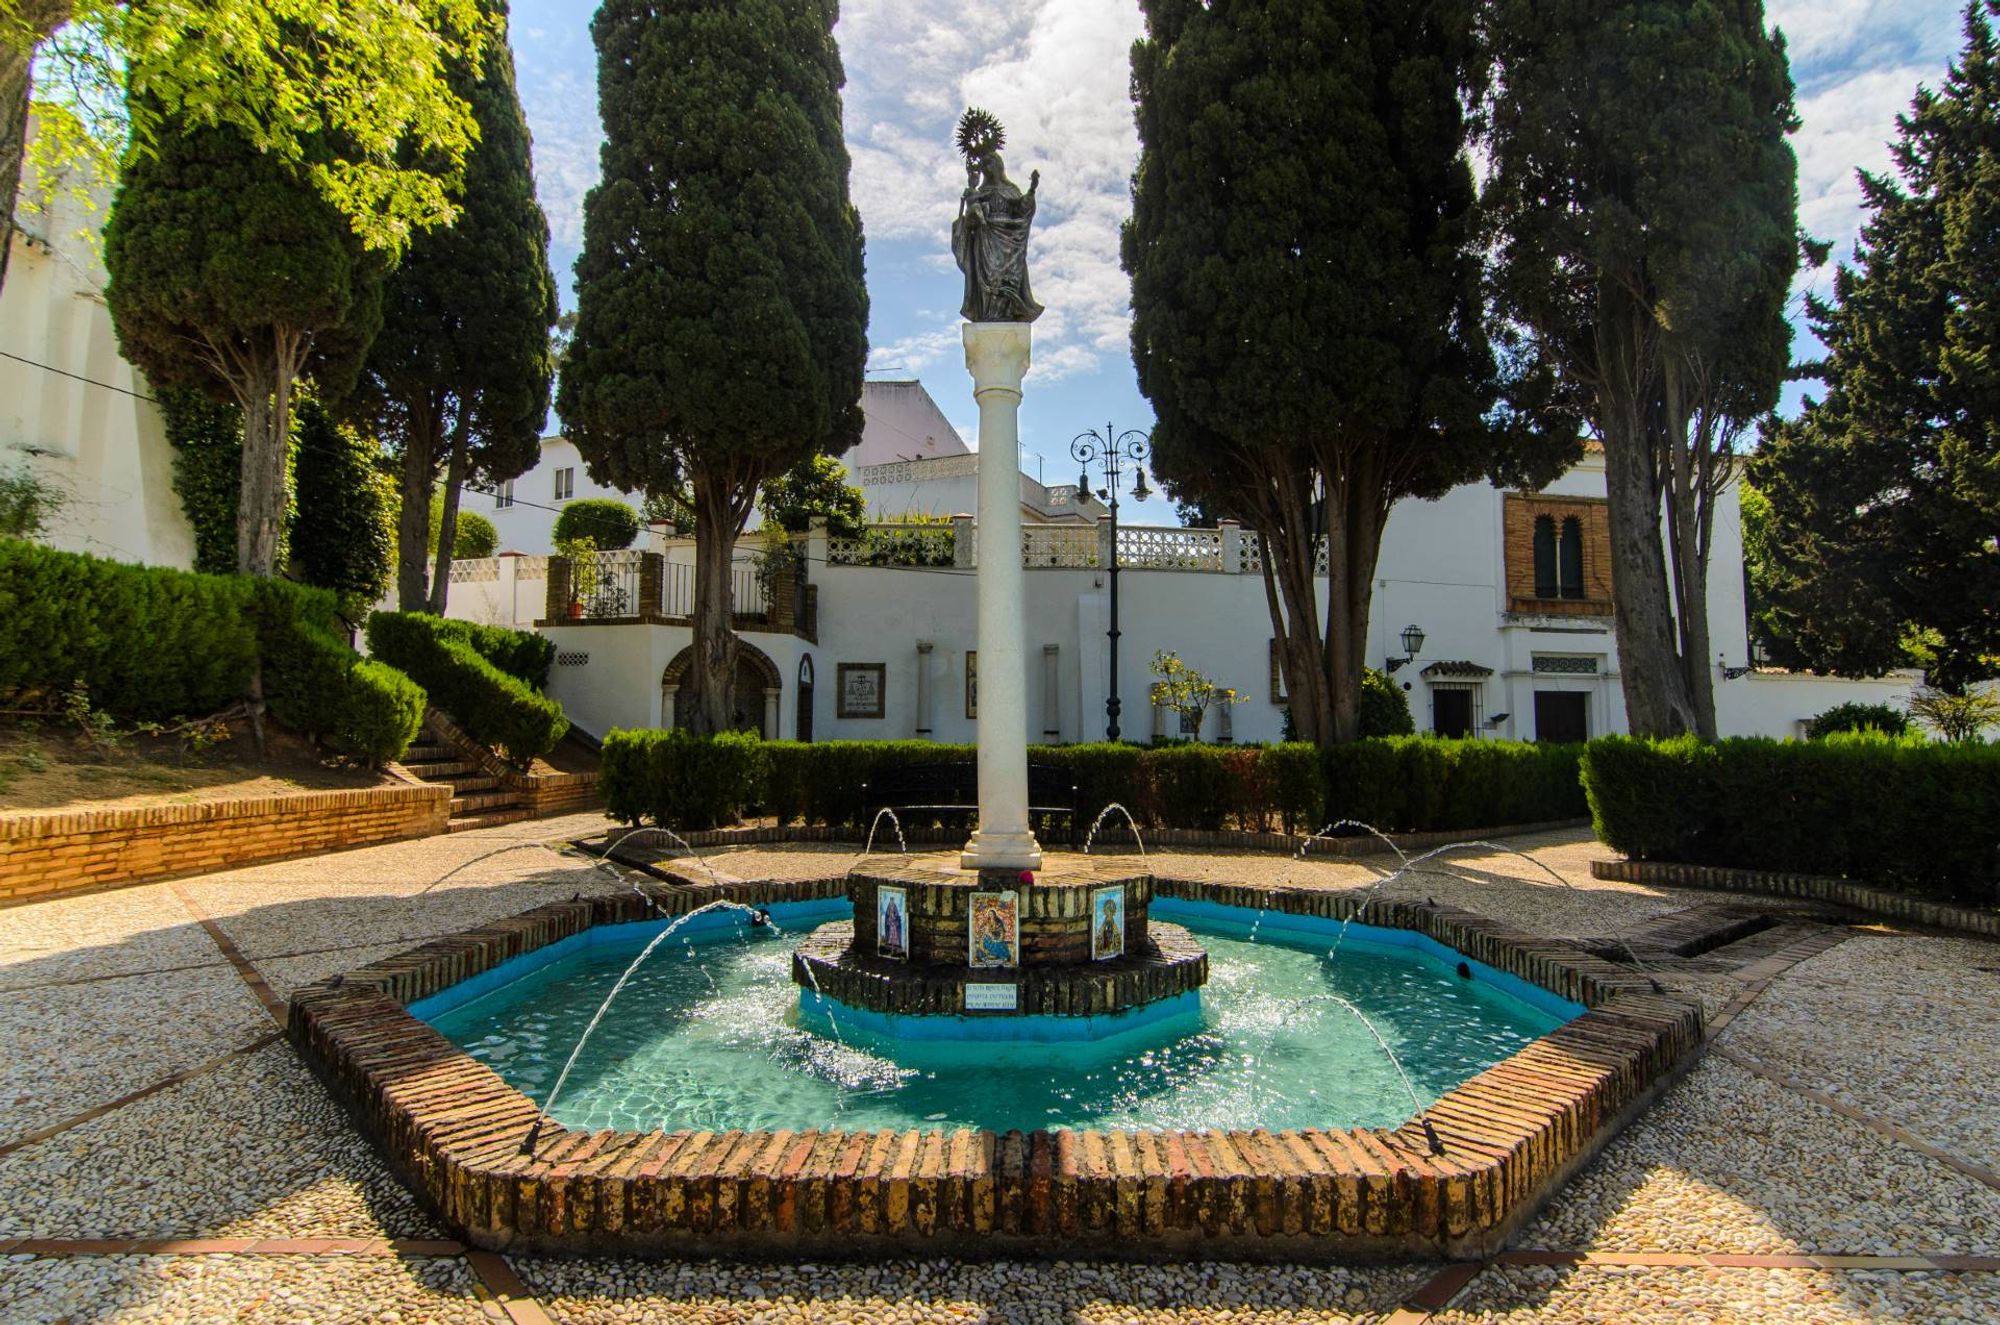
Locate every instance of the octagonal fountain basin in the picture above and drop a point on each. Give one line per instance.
(712, 1034)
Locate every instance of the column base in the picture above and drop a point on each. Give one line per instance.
(1001, 851)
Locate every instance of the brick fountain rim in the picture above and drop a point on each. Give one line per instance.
(453, 1129)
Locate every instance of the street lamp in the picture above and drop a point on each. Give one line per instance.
(1413, 644)
(1112, 450)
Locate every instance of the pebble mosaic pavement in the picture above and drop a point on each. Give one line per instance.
(1831, 1159)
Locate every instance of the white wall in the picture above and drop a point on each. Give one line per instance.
(72, 411)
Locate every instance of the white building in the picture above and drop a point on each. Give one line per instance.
(1510, 590)
(73, 413)
(860, 648)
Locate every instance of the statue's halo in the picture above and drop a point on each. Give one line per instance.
(979, 132)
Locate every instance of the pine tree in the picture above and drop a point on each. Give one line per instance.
(1644, 200)
(1306, 296)
(459, 376)
(721, 315)
(229, 274)
(1885, 493)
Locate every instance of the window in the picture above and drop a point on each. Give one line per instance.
(565, 483)
(1569, 558)
(1558, 557)
(1454, 709)
(1565, 664)
(503, 495)
(1562, 717)
(1546, 584)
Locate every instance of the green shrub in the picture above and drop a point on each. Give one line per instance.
(605, 521)
(314, 684)
(473, 537)
(153, 644)
(1400, 784)
(494, 707)
(1854, 717)
(1385, 706)
(678, 779)
(150, 643)
(1893, 812)
(521, 654)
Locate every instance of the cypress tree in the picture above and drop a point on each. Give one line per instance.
(1884, 493)
(1306, 297)
(721, 314)
(230, 275)
(1644, 200)
(459, 376)
(340, 526)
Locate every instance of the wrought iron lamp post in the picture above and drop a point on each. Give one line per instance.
(1413, 644)
(1112, 450)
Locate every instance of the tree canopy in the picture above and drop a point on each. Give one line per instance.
(459, 376)
(349, 93)
(1645, 226)
(1306, 291)
(819, 487)
(1879, 548)
(721, 313)
(341, 521)
(231, 276)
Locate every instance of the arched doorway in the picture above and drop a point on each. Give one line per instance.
(753, 698)
(804, 728)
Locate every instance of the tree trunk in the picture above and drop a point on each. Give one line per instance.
(264, 390)
(413, 521)
(1688, 458)
(1285, 506)
(1354, 545)
(454, 483)
(17, 93)
(1628, 419)
(712, 679)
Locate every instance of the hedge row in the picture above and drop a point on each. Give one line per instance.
(153, 644)
(1397, 784)
(521, 654)
(1891, 812)
(494, 707)
(317, 686)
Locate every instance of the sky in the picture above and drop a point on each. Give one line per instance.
(1056, 72)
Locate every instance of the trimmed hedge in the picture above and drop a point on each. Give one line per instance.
(316, 685)
(521, 654)
(494, 707)
(1857, 717)
(153, 644)
(1892, 812)
(1398, 784)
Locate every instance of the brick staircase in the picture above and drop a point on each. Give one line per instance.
(477, 798)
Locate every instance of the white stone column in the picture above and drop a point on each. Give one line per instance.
(996, 354)
(772, 716)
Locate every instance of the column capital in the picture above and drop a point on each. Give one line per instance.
(997, 355)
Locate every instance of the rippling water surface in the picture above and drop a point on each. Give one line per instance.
(707, 1035)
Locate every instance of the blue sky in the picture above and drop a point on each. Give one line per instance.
(1056, 73)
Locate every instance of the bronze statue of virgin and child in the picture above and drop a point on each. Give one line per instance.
(990, 237)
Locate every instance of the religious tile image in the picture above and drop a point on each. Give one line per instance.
(972, 683)
(892, 923)
(861, 690)
(994, 929)
(1107, 922)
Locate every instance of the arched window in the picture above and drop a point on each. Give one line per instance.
(1545, 557)
(1569, 558)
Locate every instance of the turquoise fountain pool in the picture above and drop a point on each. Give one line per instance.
(710, 1034)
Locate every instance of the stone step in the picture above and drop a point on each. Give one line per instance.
(429, 752)
(480, 802)
(437, 770)
(463, 783)
(489, 819)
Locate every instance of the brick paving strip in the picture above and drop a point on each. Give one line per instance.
(274, 1005)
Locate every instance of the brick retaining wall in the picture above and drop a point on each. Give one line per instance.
(1814, 887)
(46, 854)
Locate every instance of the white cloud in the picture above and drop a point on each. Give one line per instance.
(1848, 127)
(1055, 74)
